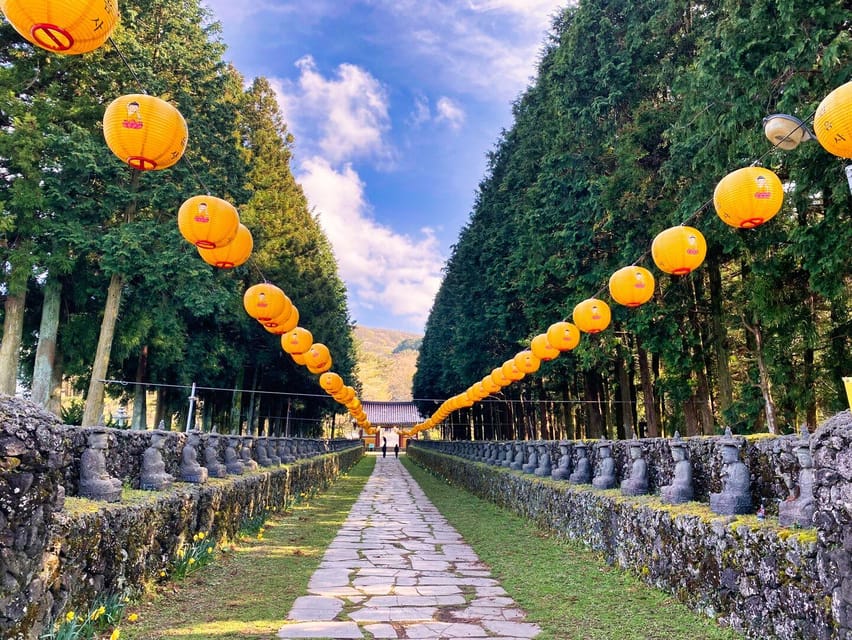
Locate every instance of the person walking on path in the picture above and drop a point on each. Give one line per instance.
(384, 447)
(396, 450)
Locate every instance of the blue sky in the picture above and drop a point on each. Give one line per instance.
(394, 105)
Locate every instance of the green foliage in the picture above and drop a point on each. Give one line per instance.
(72, 412)
(638, 109)
(192, 556)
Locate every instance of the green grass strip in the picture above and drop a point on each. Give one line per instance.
(249, 588)
(565, 588)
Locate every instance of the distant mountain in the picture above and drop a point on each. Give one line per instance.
(387, 360)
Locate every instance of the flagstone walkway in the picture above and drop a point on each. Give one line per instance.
(397, 569)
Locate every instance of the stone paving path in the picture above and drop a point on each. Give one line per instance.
(397, 569)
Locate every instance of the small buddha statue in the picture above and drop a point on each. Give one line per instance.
(287, 454)
(681, 489)
(799, 508)
(735, 497)
(95, 481)
(272, 451)
(532, 459)
(582, 473)
(233, 464)
(245, 453)
(508, 454)
(215, 468)
(154, 476)
(605, 471)
(519, 460)
(261, 454)
(563, 468)
(190, 470)
(545, 466)
(636, 483)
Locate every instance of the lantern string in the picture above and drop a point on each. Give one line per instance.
(186, 159)
(129, 67)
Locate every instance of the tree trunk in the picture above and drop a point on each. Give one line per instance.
(54, 404)
(624, 399)
(594, 421)
(719, 338)
(765, 382)
(649, 401)
(139, 420)
(46, 350)
(10, 347)
(160, 411)
(95, 396)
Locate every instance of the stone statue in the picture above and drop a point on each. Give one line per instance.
(545, 466)
(215, 468)
(95, 481)
(233, 465)
(190, 470)
(582, 470)
(154, 476)
(508, 454)
(260, 453)
(272, 451)
(605, 471)
(636, 484)
(518, 462)
(563, 468)
(798, 509)
(735, 496)
(245, 454)
(287, 453)
(681, 489)
(532, 459)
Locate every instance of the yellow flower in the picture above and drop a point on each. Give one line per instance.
(201, 535)
(260, 536)
(162, 573)
(191, 561)
(98, 612)
(209, 550)
(262, 530)
(115, 634)
(133, 617)
(69, 616)
(195, 538)
(180, 554)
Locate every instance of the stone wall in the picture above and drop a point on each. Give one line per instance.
(58, 552)
(770, 459)
(762, 579)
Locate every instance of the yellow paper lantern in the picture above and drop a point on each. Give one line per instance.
(592, 315)
(145, 132)
(354, 405)
(489, 385)
(317, 355)
(500, 378)
(69, 26)
(631, 286)
(297, 341)
(679, 250)
(833, 121)
(299, 359)
(511, 371)
(233, 254)
(542, 349)
(287, 321)
(563, 336)
(344, 395)
(527, 362)
(265, 301)
(208, 222)
(748, 197)
(464, 401)
(331, 382)
(320, 368)
(480, 389)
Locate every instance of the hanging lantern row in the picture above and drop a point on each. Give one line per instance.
(271, 307)
(145, 132)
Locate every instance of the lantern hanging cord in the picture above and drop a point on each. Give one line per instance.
(127, 64)
(196, 174)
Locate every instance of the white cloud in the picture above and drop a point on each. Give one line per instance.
(450, 112)
(381, 268)
(347, 114)
(421, 113)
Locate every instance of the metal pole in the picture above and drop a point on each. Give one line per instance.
(191, 407)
